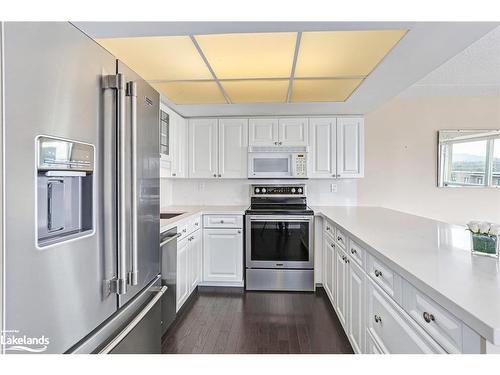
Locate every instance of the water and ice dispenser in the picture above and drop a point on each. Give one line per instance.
(65, 174)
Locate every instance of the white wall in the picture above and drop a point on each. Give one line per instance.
(401, 138)
(237, 192)
(401, 158)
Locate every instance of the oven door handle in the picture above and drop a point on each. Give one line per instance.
(277, 219)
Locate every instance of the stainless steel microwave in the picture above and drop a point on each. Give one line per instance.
(277, 162)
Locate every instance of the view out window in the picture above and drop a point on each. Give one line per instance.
(470, 160)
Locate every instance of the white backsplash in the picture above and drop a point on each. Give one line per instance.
(236, 192)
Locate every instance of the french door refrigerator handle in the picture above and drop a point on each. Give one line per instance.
(132, 93)
(117, 82)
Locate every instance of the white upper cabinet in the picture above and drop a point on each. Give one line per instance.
(179, 129)
(292, 131)
(202, 147)
(350, 147)
(336, 147)
(322, 155)
(263, 132)
(233, 148)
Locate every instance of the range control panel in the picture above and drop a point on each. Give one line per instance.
(288, 190)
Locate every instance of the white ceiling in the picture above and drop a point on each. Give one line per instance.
(426, 46)
(473, 72)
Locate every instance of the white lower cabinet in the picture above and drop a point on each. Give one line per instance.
(355, 307)
(223, 256)
(182, 288)
(393, 330)
(341, 273)
(329, 267)
(379, 310)
(189, 260)
(195, 259)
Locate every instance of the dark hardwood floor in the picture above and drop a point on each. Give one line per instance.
(229, 320)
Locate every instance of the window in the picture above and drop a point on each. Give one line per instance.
(469, 158)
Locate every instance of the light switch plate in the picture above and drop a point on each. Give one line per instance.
(334, 188)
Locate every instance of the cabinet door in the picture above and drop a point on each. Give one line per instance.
(341, 285)
(355, 307)
(322, 148)
(350, 147)
(328, 267)
(233, 148)
(182, 289)
(203, 148)
(222, 255)
(263, 132)
(195, 260)
(292, 131)
(178, 145)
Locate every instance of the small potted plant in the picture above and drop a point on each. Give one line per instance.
(485, 238)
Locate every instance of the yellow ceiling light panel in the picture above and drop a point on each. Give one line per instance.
(344, 53)
(160, 58)
(323, 90)
(256, 91)
(249, 55)
(191, 92)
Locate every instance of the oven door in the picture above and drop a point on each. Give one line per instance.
(279, 241)
(270, 165)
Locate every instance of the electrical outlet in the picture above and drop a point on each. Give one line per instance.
(334, 188)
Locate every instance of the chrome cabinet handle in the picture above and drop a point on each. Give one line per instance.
(332, 245)
(174, 174)
(378, 273)
(220, 175)
(280, 143)
(327, 228)
(377, 318)
(340, 239)
(353, 251)
(184, 230)
(196, 223)
(428, 317)
(132, 93)
(222, 221)
(239, 231)
(215, 175)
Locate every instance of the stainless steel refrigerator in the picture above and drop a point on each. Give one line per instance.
(81, 185)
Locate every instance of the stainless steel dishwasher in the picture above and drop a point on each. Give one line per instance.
(168, 254)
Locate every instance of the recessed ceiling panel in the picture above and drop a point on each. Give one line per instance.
(256, 91)
(343, 53)
(160, 58)
(254, 55)
(191, 92)
(323, 90)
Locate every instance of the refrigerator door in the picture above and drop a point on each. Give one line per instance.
(141, 183)
(53, 88)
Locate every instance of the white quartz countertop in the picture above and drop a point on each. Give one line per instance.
(433, 256)
(189, 211)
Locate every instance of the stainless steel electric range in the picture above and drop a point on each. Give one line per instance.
(279, 239)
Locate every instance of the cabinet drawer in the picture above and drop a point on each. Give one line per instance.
(223, 221)
(194, 224)
(341, 238)
(384, 277)
(357, 253)
(329, 228)
(392, 329)
(183, 228)
(445, 328)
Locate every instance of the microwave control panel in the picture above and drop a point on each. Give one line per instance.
(300, 165)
